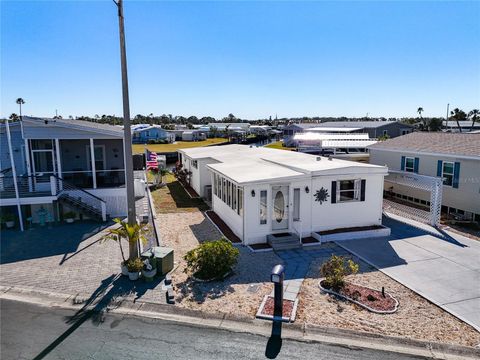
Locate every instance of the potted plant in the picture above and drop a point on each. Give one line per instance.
(134, 267)
(149, 269)
(9, 220)
(69, 217)
(133, 234)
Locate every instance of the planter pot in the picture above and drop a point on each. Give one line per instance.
(124, 270)
(133, 275)
(9, 224)
(69, 221)
(148, 275)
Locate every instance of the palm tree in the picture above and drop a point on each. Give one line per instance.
(132, 233)
(458, 115)
(13, 117)
(473, 115)
(20, 102)
(424, 124)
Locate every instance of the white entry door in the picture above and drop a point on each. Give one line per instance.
(280, 207)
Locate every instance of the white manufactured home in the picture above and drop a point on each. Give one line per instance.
(261, 192)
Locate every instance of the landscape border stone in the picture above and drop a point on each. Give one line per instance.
(381, 312)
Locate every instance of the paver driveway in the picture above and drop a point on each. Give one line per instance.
(445, 271)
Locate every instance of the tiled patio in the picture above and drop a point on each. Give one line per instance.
(69, 259)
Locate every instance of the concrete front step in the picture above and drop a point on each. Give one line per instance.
(284, 242)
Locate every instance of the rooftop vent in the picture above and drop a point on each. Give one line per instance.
(319, 158)
(330, 158)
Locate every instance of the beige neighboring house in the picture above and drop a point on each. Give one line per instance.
(454, 157)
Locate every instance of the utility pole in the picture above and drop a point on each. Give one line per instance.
(127, 134)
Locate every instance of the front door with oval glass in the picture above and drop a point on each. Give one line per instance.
(280, 207)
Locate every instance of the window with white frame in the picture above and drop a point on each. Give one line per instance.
(296, 204)
(263, 207)
(385, 132)
(348, 190)
(448, 170)
(240, 202)
(195, 164)
(410, 164)
(229, 193)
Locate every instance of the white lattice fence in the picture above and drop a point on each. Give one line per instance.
(428, 183)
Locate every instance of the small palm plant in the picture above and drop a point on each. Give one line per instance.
(133, 234)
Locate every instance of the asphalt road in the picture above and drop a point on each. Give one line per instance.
(34, 332)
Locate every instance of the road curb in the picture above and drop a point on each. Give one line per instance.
(245, 324)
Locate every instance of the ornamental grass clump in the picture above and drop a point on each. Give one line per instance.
(212, 259)
(335, 269)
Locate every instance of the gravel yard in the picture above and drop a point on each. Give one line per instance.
(240, 294)
(416, 317)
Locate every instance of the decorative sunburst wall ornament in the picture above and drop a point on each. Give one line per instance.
(321, 195)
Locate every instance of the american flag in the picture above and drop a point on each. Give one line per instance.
(151, 160)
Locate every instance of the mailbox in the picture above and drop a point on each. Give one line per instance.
(277, 276)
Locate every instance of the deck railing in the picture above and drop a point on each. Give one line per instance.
(77, 195)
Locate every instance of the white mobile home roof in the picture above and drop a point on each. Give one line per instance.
(245, 164)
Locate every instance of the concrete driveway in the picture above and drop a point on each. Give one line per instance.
(446, 271)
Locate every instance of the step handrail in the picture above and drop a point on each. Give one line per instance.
(76, 188)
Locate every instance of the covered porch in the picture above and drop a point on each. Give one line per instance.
(85, 163)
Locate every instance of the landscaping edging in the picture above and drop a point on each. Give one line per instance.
(258, 250)
(224, 276)
(382, 312)
(205, 213)
(349, 235)
(290, 319)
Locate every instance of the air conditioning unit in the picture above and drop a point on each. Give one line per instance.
(208, 192)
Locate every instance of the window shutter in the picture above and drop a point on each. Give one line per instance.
(439, 168)
(415, 165)
(456, 174)
(334, 192)
(402, 164)
(362, 190)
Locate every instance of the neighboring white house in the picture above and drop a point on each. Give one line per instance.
(333, 143)
(454, 157)
(259, 191)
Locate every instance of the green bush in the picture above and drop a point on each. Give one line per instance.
(134, 265)
(335, 269)
(212, 259)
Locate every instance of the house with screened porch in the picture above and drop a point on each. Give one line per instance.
(277, 196)
(53, 166)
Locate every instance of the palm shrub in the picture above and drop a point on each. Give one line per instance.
(212, 259)
(133, 234)
(335, 269)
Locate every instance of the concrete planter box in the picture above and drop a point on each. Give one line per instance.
(69, 220)
(9, 224)
(349, 235)
(124, 269)
(133, 275)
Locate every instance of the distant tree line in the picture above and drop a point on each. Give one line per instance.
(168, 121)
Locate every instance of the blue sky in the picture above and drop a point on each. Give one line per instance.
(252, 59)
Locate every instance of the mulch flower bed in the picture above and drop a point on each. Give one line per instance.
(260, 246)
(286, 311)
(372, 299)
(191, 192)
(350, 229)
(223, 227)
(309, 240)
